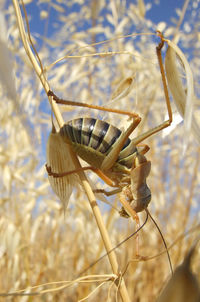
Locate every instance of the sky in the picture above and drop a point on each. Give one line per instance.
(160, 11)
(164, 11)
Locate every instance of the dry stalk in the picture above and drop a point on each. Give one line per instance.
(60, 285)
(86, 186)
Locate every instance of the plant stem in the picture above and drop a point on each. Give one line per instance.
(97, 214)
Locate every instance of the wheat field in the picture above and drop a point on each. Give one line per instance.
(46, 251)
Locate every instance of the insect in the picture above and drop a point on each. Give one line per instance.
(119, 161)
(95, 141)
(111, 154)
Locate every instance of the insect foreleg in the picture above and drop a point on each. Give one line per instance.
(110, 193)
(104, 177)
(128, 209)
(62, 174)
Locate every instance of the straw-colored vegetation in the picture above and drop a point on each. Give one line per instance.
(42, 250)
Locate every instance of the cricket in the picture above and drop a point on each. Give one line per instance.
(84, 90)
(118, 160)
(111, 154)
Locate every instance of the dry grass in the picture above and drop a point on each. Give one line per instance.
(38, 245)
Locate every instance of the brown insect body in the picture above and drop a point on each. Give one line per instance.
(93, 140)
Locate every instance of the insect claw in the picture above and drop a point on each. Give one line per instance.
(161, 44)
(50, 93)
(48, 168)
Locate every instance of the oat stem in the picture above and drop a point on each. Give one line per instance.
(84, 181)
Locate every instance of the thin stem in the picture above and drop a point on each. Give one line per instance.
(84, 181)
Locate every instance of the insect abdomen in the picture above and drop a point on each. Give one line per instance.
(98, 135)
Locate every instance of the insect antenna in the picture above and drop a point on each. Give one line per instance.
(163, 239)
(114, 248)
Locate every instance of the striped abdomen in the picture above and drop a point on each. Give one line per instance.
(100, 136)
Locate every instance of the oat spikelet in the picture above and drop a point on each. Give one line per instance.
(123, 89)
(183, 98)
(59, 160)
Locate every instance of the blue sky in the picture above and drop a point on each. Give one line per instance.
(164, 11)
(161, 12)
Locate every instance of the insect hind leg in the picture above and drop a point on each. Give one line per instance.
(95, 107)
(168, 122)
